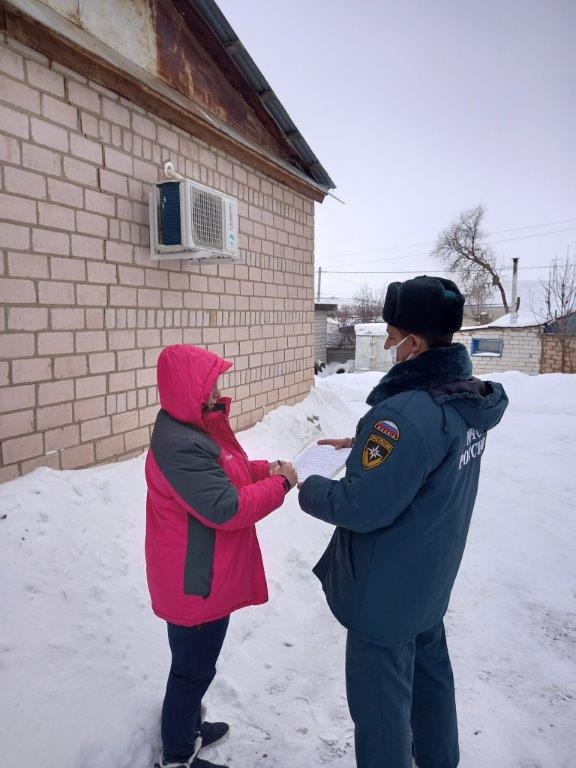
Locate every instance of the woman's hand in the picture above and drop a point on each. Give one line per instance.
(275, 468)
(284, 468)
(288, 471)
(342, 442)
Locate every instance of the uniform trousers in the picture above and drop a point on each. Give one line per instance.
(402, 702)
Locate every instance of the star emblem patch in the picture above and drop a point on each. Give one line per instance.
(376, 450)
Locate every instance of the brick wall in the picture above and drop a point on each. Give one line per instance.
(552, 355)
(85, 312)
(320, 335)
(521, 349)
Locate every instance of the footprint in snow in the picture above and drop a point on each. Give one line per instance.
(332, 749)
(281, 686)
(226, 691)
(556, 695)
(297, 564)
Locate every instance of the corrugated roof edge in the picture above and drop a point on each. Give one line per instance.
(245, 65)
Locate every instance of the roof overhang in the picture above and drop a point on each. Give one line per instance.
(40, 27)
(227, 49)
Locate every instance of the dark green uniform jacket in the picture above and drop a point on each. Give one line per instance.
(403, 509)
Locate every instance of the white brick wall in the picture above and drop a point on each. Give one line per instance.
(320, 335)
(521, 351)
(85, 312)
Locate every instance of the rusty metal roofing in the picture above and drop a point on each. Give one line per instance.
(301, 153)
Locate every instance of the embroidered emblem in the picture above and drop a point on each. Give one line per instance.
(390, 429)
(375, 451)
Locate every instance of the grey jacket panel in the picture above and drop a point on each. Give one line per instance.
(188, 459)
(199, 558)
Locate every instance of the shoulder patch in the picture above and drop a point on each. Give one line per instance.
(376, 450)
(390, 429)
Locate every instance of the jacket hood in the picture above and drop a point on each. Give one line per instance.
(446, 374)
(480, 403)
(186, 376)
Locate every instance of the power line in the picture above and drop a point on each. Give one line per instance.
(427, 253)
(536, 234)
(408, 271)
(530, 226)
(489, 234)
(494, 242)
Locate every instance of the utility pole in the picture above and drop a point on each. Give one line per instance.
(514, 312)
(319, 283)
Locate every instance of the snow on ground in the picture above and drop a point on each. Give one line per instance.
(83, 661)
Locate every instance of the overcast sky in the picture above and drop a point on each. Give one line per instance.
(420, 110)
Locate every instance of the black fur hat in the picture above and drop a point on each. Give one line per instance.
(426, 305)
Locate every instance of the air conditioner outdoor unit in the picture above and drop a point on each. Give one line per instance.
(190, 221)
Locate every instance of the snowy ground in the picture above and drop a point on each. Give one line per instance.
(83, 661)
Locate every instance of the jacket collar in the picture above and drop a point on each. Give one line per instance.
(428, 371)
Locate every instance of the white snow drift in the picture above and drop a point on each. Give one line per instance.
(83, 661)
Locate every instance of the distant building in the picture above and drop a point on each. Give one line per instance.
(529, 345)
(370, 354)
(322, 314)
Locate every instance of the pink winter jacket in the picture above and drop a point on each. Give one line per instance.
(204, 496)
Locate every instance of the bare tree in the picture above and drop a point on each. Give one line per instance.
(367, 304)
(559, 309)
(460, 250)
(344, 314)
(477, 300)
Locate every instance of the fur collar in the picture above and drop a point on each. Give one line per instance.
(428, 371)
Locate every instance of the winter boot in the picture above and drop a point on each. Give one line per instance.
(214, 733)
(194, 762)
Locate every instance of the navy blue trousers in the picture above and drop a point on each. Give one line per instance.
(195, 651)
(402, 697)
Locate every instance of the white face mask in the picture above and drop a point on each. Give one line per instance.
(394, 350)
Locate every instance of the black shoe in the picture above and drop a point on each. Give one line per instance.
(193, 762)
(214, 733)
(199, 763)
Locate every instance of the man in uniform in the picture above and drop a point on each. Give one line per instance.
(402, 514)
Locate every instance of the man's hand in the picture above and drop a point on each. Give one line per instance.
(342, 442)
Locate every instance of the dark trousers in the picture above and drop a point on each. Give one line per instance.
(195, 651)
(403, 696)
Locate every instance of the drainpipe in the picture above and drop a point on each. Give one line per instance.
(514, 312)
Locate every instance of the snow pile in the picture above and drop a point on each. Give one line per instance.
(83, 661)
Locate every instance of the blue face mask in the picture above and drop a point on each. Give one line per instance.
(394, 350)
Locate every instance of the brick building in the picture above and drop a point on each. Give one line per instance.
(89, 110)
(321, 342)
(500, 346)
(559, 346)
(528, 345)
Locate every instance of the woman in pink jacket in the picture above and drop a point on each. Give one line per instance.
(202, 555)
